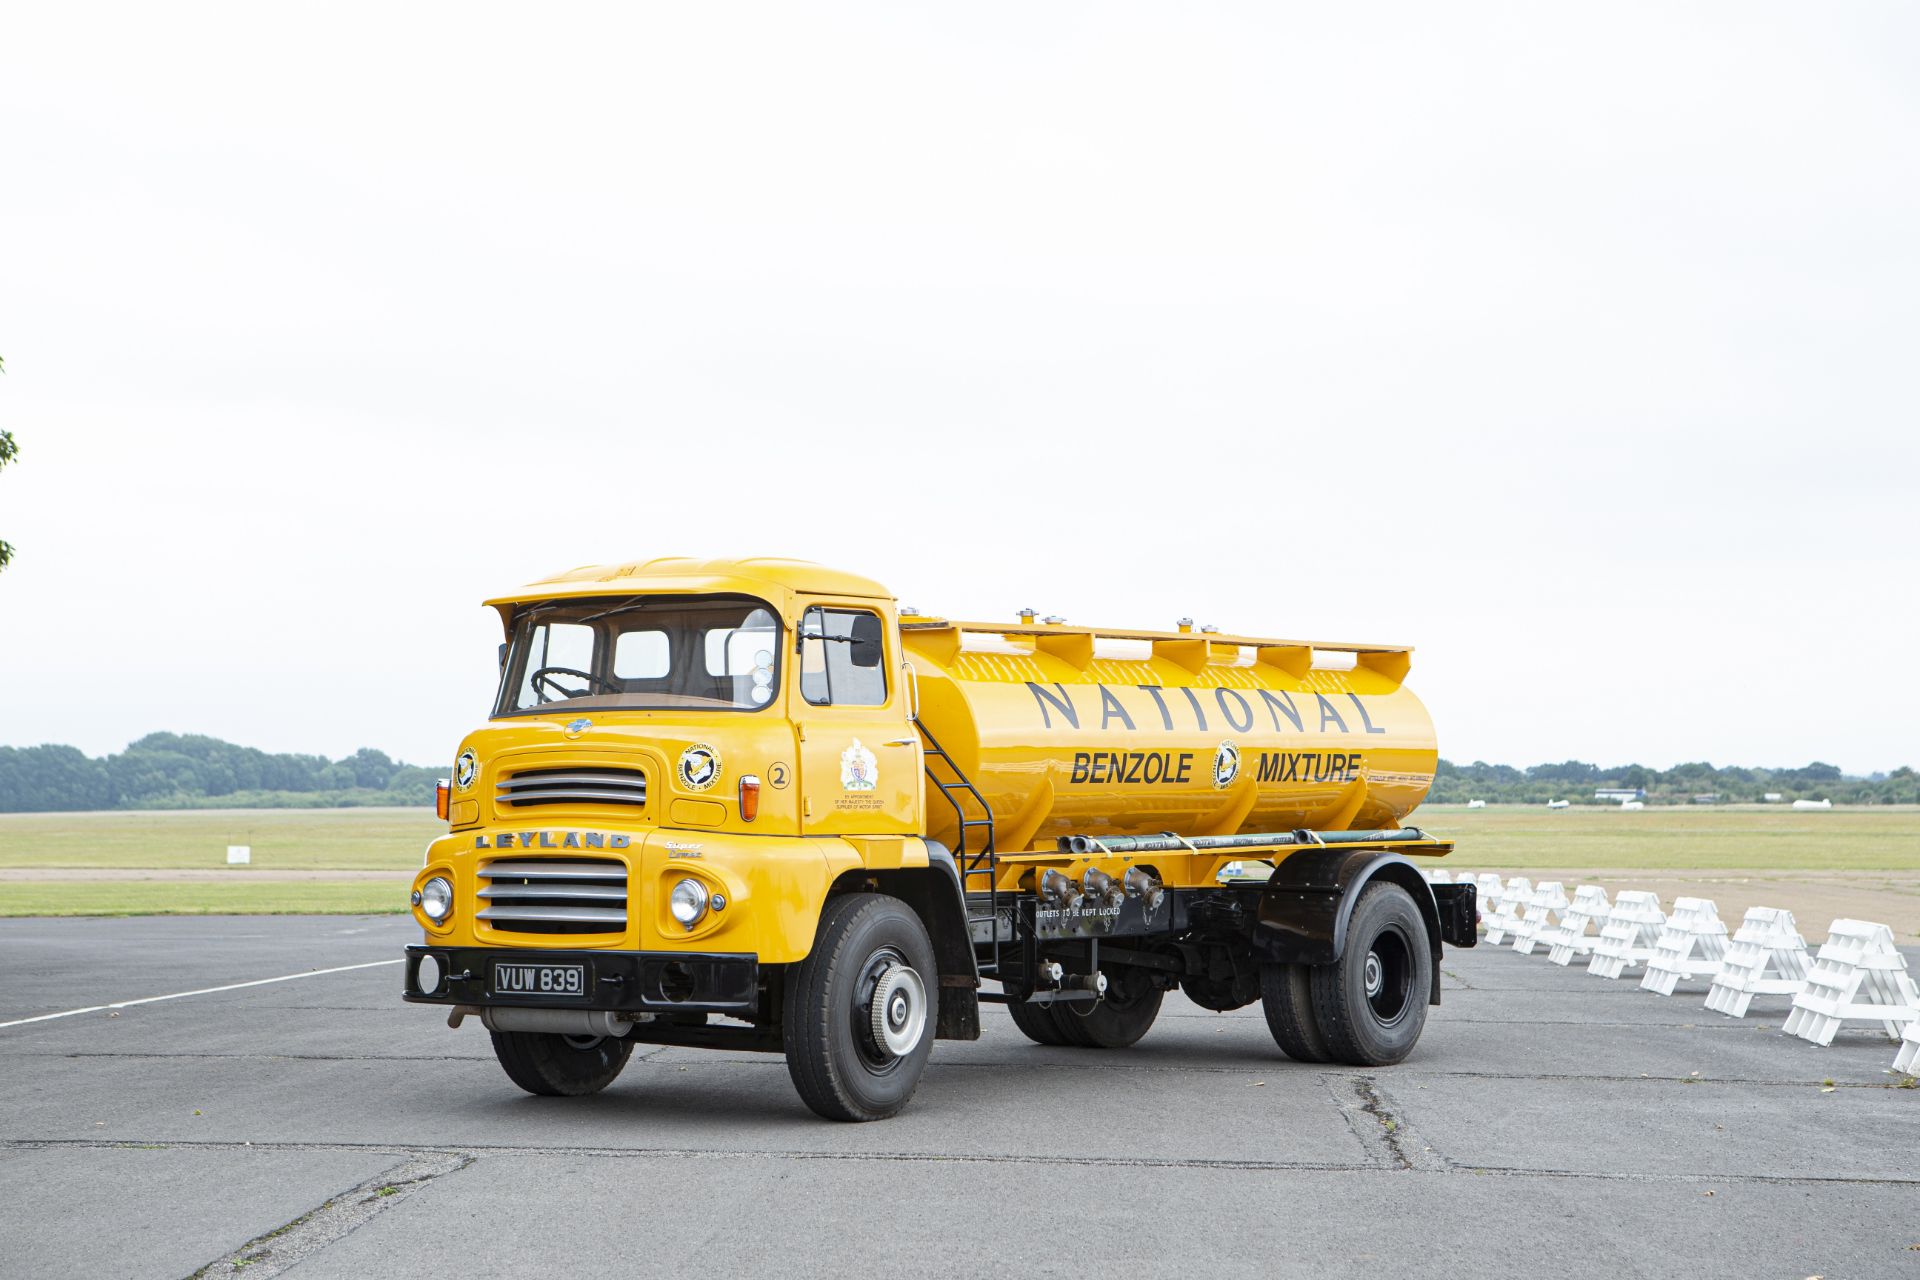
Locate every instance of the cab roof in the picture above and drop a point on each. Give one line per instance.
(756, 576)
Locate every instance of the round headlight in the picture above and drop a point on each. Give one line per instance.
(436, 899)
(688, 902)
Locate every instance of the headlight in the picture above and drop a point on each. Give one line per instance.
(436, 899)
(688, 902)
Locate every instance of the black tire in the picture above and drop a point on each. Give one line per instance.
(838, 1062)
(556, 1066)
(1126, 1012)
(1286, 996)
(1037, 1023)
(1380, 1028)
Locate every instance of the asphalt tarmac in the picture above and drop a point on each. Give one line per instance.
(1550, 1124)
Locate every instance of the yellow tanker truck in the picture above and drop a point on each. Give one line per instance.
(756, 805)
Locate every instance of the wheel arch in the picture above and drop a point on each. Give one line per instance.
(1307, 904)
(933, 891)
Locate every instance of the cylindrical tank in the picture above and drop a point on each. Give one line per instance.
(1066, 734)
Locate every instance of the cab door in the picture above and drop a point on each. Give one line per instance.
(860, 761)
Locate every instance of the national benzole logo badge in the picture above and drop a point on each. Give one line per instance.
(699, 767)
(1226, 766)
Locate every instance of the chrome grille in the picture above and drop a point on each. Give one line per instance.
(576, 784)
(554, 895)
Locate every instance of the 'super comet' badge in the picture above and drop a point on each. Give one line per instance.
(699, 767)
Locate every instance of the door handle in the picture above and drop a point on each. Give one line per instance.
(902, 742)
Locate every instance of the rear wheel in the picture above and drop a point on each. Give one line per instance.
(557, 1066)
(1037, 1023)
(858, 1012)
(1286, 996)
(1371, 1003)
(1118, 1019)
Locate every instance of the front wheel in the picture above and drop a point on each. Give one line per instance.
(859, 1009)
(1371, 1003)
(557, 1066)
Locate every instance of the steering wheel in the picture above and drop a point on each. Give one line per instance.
(544, 678)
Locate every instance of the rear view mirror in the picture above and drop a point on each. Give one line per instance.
(866, 645)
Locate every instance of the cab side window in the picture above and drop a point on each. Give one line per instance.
(842, 658)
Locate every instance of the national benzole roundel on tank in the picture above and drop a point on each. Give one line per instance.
(1194, 735)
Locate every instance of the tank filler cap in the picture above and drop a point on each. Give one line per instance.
(1185, 624)
(1028, 615)
(1053, 619)
(1209, 630)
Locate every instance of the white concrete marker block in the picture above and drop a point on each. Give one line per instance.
(1506, 914)
(1548, 898)
(1908, 1059)
(1767, 957)
(1857, 976)
(239, 855)
(1570, 938)
(1627, 938)
(1693, 945)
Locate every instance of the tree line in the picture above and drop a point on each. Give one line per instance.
(1576, 781)
(191, 771)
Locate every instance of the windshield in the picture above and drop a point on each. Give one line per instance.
(714, 653)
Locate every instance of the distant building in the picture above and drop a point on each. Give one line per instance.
(1707, 799)
(1476, 804)
(1813, 804)
(1621, 793)
(1772, 797)
(1558, 804)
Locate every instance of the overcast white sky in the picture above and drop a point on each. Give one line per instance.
(1575, 346)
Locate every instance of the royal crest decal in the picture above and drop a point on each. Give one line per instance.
(859, 771)
(1226, 766)
(699, 767)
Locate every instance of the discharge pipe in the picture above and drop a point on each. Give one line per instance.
(1167, 842)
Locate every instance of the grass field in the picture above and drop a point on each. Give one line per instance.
(1733, 838)
(1716, 838)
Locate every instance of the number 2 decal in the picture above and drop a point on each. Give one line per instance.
(777, 776)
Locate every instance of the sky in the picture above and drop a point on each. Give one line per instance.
(1572, 345)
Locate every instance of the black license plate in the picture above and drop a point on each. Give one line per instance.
(539, 980)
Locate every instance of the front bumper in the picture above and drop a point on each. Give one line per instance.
(649, 981)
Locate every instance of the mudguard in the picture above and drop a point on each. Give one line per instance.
(934, 892)
(1305, 906)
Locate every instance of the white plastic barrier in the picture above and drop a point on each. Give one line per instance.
(1506, 913)
(1627, 938)
(1489, 889)
(1439, 875)
(1857, 976)
(1767, 957)
(1570, 938)
(1908, 1059)
(1548, 898)
(1693, 945)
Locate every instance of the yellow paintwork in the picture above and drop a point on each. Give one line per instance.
(973, 690)
(1021, 708)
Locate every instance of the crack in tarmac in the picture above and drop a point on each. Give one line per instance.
(466, 1153)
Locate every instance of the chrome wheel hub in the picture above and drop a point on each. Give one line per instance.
(1376, 975)
(898, 1011)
